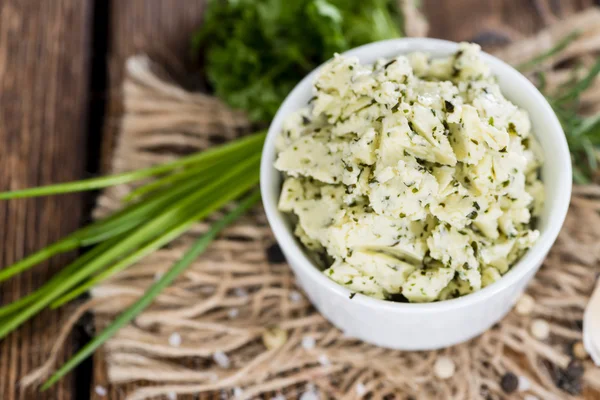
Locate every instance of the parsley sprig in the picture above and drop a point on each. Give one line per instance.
(256, 51)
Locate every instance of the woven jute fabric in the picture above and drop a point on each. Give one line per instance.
(206, 332)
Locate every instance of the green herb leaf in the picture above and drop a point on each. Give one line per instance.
(256, 51)
(561, 45)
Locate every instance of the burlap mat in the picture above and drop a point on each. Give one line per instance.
(205, 333)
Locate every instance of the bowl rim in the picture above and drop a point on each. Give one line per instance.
(532, 258)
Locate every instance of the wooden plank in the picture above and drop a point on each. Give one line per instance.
(43, 104)
(495, 20)
(160, 28)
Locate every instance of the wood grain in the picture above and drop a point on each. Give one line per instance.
(43, 103)
(495, 20)
(160, 28)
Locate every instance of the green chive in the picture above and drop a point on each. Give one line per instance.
(58, 277)
(140, 236)
(552, 51)
(134, 310)
(200, 173)
(102, 182)
(160, 241)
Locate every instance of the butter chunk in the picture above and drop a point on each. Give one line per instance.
(426, 285)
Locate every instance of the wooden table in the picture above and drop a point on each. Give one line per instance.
(61, 64)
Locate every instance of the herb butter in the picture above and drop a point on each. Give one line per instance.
(413, 178)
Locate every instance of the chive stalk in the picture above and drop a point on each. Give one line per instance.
(68, 270)
(233, 192)
(140, 305)
(140, 236)
(561, 45)
(102, 182)
(118, 223)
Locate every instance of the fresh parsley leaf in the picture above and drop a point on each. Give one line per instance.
(256, 51)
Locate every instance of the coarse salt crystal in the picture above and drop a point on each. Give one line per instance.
(540, 329)
(233, 313)
(525, 305)
(175, 339)
(237, 392)
(172, 396)
(310, 395)
(524, 384)
(530, 397)
(361, 390)
(100, 391)
(308, 342)
(207, 289)
(444, 367)
(279, 397)
(221, 359)
(295, 296)
(241, 292)
(323, 360)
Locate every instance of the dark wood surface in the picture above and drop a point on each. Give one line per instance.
(61, 64)
(44, 65)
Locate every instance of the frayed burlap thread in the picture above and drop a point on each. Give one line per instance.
(204, 333)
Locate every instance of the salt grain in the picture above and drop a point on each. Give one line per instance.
(295, 296)
(525, 305)
(361, 390)
(237, 392)
(100, 391)
(175, 339)
(233, 313)
(444, 367)
(524, 384)
(323, 360)
(221, 359)
(310, 395)
(171, 396)
(207, 289)
(308, 342)
(279, 397)
(540, 329)
(241, 292)
(530, 397)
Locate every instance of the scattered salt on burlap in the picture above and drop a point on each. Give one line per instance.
(222, 305)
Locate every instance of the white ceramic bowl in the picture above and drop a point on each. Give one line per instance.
(430, 325)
